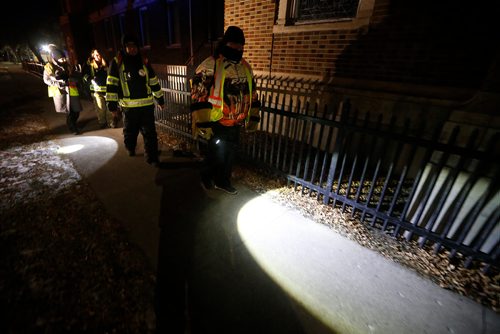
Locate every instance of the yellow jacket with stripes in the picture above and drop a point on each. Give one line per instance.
(131, 83)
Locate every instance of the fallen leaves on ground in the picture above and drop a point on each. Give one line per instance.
(447, 273)
(65, 264)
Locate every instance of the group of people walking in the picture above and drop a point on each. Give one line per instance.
(224, 100)
(128, 86)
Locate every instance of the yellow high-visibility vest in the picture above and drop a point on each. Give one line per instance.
(126, 101)
(216, 97)
(56, 91)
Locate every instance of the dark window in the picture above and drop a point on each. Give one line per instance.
(307, 10)
(172, 23)
(108, 33)
(144, 25)
(121, 21)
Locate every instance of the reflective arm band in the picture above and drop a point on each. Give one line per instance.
(153, 81)
(158, 94)
(111, 96)
(112, 80)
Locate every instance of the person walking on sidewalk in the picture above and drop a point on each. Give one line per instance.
(133, 85)
(224, 101)
(95, 73)
(62, 84)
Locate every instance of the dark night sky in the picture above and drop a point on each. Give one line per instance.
(29, 21)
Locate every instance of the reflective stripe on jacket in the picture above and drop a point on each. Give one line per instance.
(118, 88)
(95, 86)
(53, 87)
(56, 91)
(216, 97)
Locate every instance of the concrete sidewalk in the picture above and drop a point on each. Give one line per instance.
(257, 263)
(257, 266)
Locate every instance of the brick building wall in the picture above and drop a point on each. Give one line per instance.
(412, 58)
(442, 44)
(256, 18)
(312, 52)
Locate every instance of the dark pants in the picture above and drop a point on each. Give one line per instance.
(141, 119)
(71, 119)
(220, 154)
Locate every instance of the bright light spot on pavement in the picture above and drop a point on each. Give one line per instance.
(69, 149)
(94, 152)
(281, 245)
(318, 268)
(342, 285)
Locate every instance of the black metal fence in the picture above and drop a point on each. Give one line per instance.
(432, 182)
(176, 117)
(435, 183)
(34, 68)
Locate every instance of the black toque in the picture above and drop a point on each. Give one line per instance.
(234, 34)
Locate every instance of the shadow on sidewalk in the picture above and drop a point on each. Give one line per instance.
(207, 281)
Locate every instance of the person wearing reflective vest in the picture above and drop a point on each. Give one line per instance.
(95, 73)
(62, 85)
(223, 102)
(133, 86)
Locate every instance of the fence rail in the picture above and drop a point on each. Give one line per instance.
(437, 184)
(34, 68)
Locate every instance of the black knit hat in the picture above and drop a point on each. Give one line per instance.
(234, 34)
(56, 54)
(129, 38)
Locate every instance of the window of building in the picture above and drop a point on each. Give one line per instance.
(172, 23)
(309, 10)
(108, 33)
(307, 15)
(144, 26)
(121, 24)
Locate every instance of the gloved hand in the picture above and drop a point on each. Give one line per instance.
(253, 119)
(117, 117)
(200, 118)
(112, 106)
(61, 76)
(61, 84)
